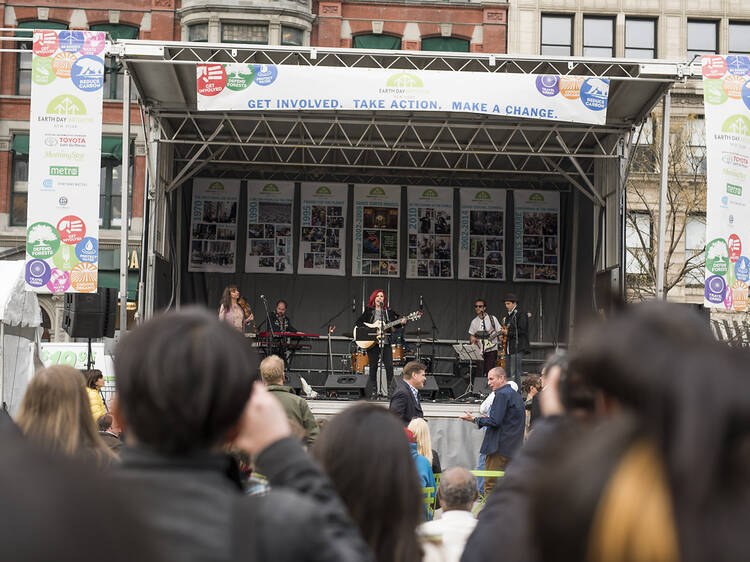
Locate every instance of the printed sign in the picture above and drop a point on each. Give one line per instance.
(270, 208)
(376, 231)
(481, 243)
(322, 240)
(67, 75)
(536, 253)
(213, 225)
(430, 218)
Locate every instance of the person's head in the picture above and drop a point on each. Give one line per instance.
(353, 450)
(231, 292)
(496, 378)
(421, 432)
(104, 423)
(281, 308)
(458, 489)
(55, 414)
(272, 370)
(414, 374)
(94, 379)
(183, 380)
(480, 307)
(378, 298)
(511, 301)
(532, 381)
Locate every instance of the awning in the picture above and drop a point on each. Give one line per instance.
(111, 280)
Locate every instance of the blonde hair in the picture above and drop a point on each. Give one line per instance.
(634, 519)
(55, 414)
(421, 432)
(272, 369)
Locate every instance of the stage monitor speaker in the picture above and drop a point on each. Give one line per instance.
(481, 386)
(450, 386)
(430, 389)
(90, 315)
(292, 379)
(346, 386)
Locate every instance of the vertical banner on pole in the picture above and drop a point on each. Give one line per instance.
(481, 247)
(270, 208)
(322, 241)
(536, 236)
(726, 98)
(62, 236)
(430, 249)
(376, 231)
(213, 225)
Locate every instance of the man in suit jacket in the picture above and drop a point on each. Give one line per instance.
(405, 400)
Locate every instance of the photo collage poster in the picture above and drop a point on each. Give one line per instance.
(322, 242)
(481, 248)
(537, 236)
(375, 249)
(430, 218)
(213, 225)
(270, 213)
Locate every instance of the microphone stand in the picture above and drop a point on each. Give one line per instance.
(270, 325)
(327, 326)
(434, 330)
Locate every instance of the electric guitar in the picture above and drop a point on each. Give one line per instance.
(371, 333)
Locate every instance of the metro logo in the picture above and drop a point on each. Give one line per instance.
(63, 170)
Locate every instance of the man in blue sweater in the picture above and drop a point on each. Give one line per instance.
(504, 423)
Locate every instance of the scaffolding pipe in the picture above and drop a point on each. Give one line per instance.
(662, 226)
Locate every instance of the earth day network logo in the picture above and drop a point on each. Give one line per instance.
(536, 197)
(216, 186)
(737, 124)
(482, 196)
(323, 190)
(66, 104)
(377, 192)
(270, 188)
(430, 194)
(404, 80)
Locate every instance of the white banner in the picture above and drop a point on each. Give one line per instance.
(270, 208)
(322, 241)
(481, 245)
(536, 252)
(233, 87)
(213, 225)
(75, 355)
(430, 250)
(726, 97)
(65, 135)
(375, 249)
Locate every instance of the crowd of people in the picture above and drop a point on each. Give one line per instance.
(639, 451)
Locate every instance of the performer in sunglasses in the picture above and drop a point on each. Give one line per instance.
(483, 332)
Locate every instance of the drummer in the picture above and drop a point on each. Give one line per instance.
(483, 333)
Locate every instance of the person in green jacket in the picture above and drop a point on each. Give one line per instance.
(296, 408)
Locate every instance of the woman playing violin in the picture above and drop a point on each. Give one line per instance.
(234, 309)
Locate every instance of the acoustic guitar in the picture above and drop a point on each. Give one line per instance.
(371, 333)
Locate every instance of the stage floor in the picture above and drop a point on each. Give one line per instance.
(432, 409)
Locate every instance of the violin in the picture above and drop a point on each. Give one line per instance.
(246, 311)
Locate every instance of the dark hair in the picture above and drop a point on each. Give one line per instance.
(93, 375)
(532, 380)
(183, 379)
(386, 505)
(104, 422)
(280, 301)
(411, 368)
(226, 298)
(484, 302)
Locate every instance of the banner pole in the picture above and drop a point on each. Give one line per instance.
(663, 196)
(124, 202)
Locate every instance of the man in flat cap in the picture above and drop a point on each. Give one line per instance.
(516, 327)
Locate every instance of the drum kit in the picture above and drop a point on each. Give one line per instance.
(359, 359)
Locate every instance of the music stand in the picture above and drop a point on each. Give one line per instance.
(468, 352)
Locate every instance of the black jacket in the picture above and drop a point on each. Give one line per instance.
(518, 331)
(403, 403)
(197, 507)
(369, 316)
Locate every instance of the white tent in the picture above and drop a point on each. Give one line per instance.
(20, 331)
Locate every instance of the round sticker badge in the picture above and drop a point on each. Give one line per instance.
(732, 85)
(59, 281)
(87, 73)
(265, 74)
(62, 63)
(739, 295)
(745, 93)
(714, 92)
(742, 269)
(739, 65)
(212, 79)
(735, 248)
(717, 256)
(239, 76)
(548, 85)
(84, 277)
(570, 87)
(93, 44)
(65, 258)
(42, 240)
(71, 41)
(41, 71)
(715, 289)
(37, 273)
(87, 250)
(45, 43)
(728, 299)
(713, 66)
(594, 93)
(72, 229)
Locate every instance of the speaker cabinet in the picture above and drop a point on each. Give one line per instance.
(430, 389)
(346, 386)
(90, 315)
(481, 386)
(450, 386)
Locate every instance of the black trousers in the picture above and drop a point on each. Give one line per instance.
(373, 356)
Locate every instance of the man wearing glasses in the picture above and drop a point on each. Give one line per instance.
(483, 332)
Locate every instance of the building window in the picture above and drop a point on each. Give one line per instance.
(739, 38)
(644, 159)
(113, 71)
(198, 33)
(445, 44)
(244, 33)
(702, 38)
(640, 38)
(695, 246)
(377, 42)
(20, 180)
(557, 35)
(638, 233)
(23, 69)
(695, 149)
(292, 36)
(598, 37)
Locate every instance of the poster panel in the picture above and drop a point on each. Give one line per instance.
(270, 212)
(257, 87)
(213, 225)
(322, 241)
(536, 251)
(481, 248)
(65, 135)
(726, 98)
(376, 250)
(430, 247)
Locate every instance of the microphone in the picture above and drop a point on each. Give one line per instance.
(354, 305)
(421, 304)
(263, 297)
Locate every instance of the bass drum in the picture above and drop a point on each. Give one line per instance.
(359, 361)
(398, 354)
